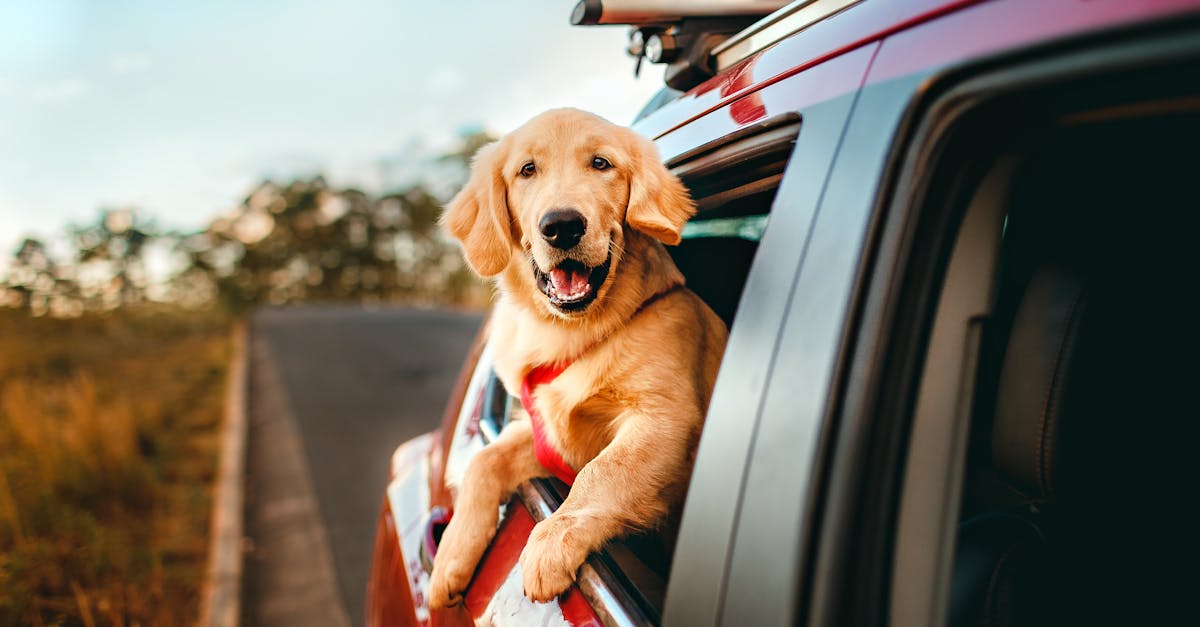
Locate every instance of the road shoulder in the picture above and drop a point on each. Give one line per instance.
(290, 578)
(221, 602)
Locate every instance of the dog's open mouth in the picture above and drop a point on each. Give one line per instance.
(571, 286)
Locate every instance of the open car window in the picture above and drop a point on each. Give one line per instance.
(1021, 368)
(734, 185)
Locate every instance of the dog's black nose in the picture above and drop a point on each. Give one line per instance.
(563, 228)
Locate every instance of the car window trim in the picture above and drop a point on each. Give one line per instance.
(603, 588)
(492, 423)
(729, 149)
(773, 137)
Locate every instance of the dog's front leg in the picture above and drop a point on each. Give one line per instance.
(631, 485)
(490, 479)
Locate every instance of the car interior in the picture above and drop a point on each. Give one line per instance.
(1074, 463)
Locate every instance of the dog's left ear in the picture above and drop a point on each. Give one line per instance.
(659, 204)
(478, 215)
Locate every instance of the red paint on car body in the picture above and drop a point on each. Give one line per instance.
(500, 559)
(992, 26)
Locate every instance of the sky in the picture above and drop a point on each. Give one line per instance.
(179, 107)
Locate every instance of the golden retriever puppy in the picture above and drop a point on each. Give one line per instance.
(613, 357)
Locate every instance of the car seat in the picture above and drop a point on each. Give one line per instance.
(1004, 561)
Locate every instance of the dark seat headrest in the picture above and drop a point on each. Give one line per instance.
(1031, 394)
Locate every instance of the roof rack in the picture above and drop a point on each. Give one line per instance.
(591, 12)
(698, 38)
(679, 33)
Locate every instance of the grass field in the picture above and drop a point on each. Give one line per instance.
(108, 447)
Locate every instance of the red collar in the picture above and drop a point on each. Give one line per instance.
(547, 455)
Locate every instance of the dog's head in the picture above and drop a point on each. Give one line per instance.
(552, 201)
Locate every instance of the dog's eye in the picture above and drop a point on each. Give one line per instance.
(600, 163)
(528, 170)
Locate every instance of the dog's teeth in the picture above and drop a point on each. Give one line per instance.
(573, 296)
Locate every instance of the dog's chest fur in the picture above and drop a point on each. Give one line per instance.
(578, 409)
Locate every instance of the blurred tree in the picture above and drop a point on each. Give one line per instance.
(306, 241)
(301, 241)
(31, 276)
(109, 258)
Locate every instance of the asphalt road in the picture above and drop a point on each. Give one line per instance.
(332, 392)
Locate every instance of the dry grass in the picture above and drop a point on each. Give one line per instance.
(108, 445)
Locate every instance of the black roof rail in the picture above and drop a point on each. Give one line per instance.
(638, 12)
(679, 33)
(699, 38)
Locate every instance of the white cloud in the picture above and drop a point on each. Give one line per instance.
(128, 63)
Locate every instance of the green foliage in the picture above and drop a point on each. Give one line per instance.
(295, 242)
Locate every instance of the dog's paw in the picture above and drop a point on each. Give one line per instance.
(449, 580)
(549, 562)
(446, 589)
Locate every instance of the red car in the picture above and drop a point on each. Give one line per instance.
(954, 241)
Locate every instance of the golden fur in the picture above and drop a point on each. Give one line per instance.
(644, 354)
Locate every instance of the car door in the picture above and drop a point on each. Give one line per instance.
(849, 503)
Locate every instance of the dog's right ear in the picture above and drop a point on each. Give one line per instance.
(478, 215)
(659, 204)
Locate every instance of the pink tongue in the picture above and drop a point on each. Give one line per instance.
(568, 281)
